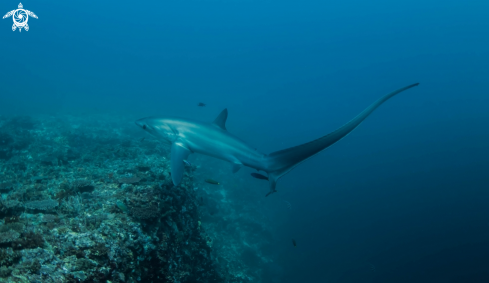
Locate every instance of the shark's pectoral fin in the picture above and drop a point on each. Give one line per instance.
(236, 166)
(179, 153)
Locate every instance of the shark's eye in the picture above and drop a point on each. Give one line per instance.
(144, 127)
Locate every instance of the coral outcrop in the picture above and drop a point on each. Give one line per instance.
(93, 202)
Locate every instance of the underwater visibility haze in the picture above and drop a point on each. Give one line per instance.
(92, 190)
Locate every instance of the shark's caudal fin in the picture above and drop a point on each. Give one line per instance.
(281, 162)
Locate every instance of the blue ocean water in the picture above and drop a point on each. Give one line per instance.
(403, 198)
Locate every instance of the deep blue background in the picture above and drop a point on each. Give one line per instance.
(401, 199)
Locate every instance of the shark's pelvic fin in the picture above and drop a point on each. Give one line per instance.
(220, 121)
(281, 162)
(179, 153)
(236, 167)
(272, 180)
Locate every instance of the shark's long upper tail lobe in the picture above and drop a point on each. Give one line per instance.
(281, 162)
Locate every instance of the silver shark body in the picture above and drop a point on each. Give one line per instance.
(187, 136)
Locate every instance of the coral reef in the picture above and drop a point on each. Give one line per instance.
(86, 200)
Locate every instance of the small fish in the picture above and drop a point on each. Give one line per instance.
(259, 176)
(187, 163)
(117, 151)
(210, 181)
(271, 192)
(289, 206)
(142, 139)
(201, 104)
(294, 243)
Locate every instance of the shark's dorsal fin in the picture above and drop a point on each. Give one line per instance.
(220, 121)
